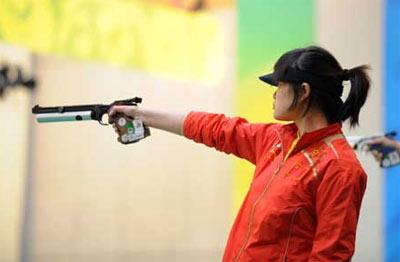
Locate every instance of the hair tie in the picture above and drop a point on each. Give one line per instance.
(345, 76)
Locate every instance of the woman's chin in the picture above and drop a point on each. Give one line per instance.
(281, 118)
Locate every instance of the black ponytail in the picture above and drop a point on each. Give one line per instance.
(360, 84)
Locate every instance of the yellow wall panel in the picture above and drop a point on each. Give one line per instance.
(139, 34)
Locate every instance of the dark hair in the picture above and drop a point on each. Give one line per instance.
(323, 73)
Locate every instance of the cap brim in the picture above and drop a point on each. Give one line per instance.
(269, 79)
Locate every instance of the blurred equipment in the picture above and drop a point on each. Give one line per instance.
(197, 5)
(390, 156)
(13, 76)
(129, 130)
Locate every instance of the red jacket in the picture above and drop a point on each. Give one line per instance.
(303, 202)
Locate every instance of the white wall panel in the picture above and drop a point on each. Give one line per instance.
(352, 31)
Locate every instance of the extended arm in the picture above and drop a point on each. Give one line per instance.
(171, 122)
(230, 135)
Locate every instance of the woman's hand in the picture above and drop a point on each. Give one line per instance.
(384, 141)
(129, 111)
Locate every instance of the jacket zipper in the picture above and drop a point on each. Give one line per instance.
(262, 195)
(290, 233)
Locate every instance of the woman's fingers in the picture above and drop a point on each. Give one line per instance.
(377, 155)
(126, 110)
(116, 129)
(113, 110)
(111, 120)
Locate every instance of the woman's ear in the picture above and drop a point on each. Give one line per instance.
(306, 91)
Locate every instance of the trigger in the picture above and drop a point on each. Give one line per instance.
(102, 123)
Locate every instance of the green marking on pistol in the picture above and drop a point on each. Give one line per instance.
(130, 127)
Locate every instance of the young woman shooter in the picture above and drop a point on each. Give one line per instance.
(304, 200)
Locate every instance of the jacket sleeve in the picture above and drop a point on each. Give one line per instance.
(230, 135)
(338, 201)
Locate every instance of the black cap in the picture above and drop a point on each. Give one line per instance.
(289, 74)
(269, 79)
(326, 84)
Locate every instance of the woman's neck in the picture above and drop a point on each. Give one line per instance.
(312, 121)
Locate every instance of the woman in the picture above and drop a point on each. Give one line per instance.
(304, 200)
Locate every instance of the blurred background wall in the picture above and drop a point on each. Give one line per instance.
(70, 192)
(14, 152)
(353, 31)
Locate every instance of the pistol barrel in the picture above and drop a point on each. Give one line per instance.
(63, 117)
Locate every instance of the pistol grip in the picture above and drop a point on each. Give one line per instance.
(130, 130)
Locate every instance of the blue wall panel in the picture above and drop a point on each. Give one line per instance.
(392, 122)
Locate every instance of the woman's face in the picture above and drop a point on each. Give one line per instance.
(283, 98)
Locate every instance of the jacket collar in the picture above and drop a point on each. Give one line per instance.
(290, 133)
